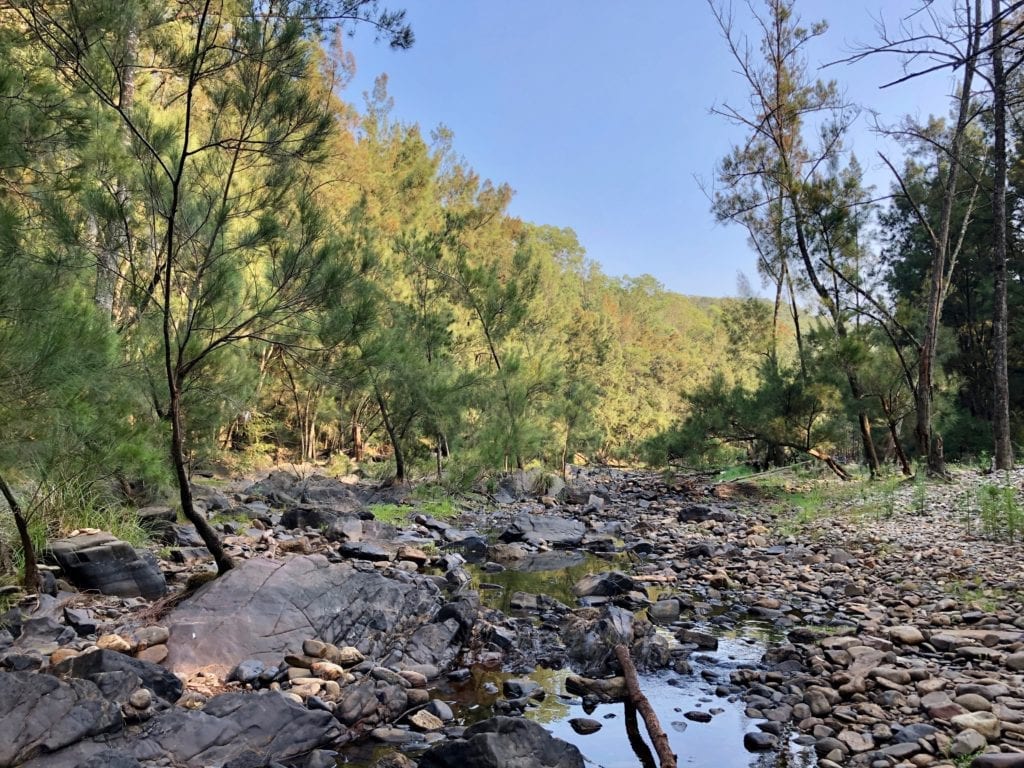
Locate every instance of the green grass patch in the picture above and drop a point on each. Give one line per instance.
(391, 513)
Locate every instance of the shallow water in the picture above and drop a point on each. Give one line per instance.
(620, 743)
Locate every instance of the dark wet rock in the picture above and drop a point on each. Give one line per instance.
(367, 550)
(702, 640)
(759, 741)
(591, 637)
(263, 609)
(608, 584)
(585, 725)
(248, 671)
(698, 513)
(105, 564)
(503, 742)
(698, 716)
(87, 666)
(522, 688)
(158, 521)
(41, 714)
(544, 529)
(81, 620)
(307, 517)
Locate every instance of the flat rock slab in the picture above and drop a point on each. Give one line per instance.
(231, 726)
(263, 609)
(545, 529)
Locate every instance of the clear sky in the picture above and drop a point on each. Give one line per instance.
(597, 114)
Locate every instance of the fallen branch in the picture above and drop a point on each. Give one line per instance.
(643, 706)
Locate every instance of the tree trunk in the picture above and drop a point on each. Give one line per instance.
(929, 445)
(901, 455)
(636, 697)
(1000, 377)
(389, 427)
(188, 509)
(30, 577)
(870, 454)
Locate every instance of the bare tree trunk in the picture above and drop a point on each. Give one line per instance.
(1001, 399)
(636, 697)
(929, 445)
(389, 427)
(31, 576)
(901, 455)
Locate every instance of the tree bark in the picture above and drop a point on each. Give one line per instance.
(929, 445)
(30, 578)
(188, 508)
(638, 700)
(392, 436)
(1000, 377)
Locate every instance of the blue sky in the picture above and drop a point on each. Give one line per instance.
(597, 114)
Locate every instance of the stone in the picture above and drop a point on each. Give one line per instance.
(88, 665)
(702, 640)
(1015, 661)
(105, 564)
(247, 672)
(502, 742)
(141, 698)
(40, 714)
(984, 723)
(906, 634)
(996, 760)
(607, 584)
(263, 609)
(759, 741)
(232, 724)
(584, 725)
(155, 654)
(425, 721)
(81, 620)
(113, 643)
(967, 742)
(544, 529)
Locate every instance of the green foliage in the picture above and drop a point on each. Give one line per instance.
(394, 514)
(1000, 512)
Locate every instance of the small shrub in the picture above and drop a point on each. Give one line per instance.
(999, 511)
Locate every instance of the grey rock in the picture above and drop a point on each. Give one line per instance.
(105, 564)
(264, 609)
(609, 584)
(159, 680)
(41, 714)
(537, 529)
(503, 742)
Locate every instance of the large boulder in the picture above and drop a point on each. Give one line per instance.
(231, 727)
(105, 564)
(232, 724)
(545, 529)
(89, 666)
(504, 742)
(263, 609)
(40, 714)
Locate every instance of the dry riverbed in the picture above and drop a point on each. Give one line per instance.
(889, 613)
